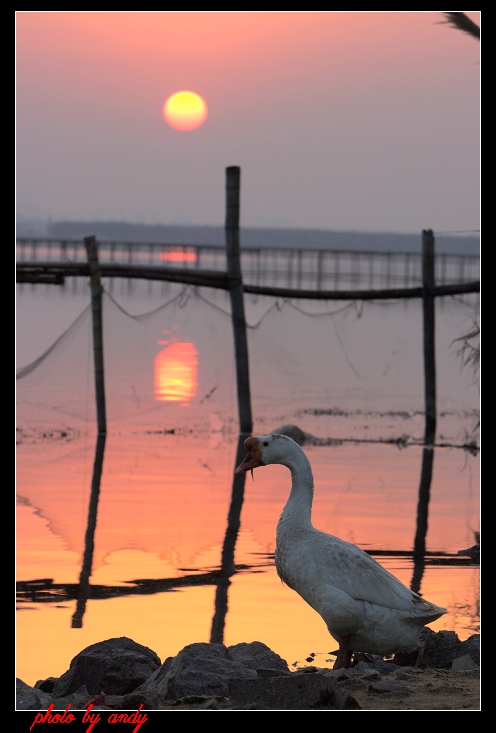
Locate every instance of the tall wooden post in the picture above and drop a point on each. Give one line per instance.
(237, 302)
(96, 309)
(428, 303)
(429, 331)
(244, 401)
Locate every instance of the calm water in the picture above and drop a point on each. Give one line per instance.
(350, 376)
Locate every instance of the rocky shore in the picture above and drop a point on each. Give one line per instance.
(120, 674)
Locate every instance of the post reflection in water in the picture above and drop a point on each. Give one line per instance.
(227, 566)
(220, 577)
(89, 541)
(176, 372)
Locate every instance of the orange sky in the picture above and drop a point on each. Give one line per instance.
(339, 120)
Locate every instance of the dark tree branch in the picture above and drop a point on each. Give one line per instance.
(459, 20)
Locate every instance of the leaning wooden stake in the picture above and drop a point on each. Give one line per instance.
(244, 400)
(428, 301)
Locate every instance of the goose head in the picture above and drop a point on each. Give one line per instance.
(262, 451)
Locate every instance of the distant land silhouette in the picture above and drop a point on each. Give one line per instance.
(250, 237)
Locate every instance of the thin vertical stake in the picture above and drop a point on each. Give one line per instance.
(429, 332)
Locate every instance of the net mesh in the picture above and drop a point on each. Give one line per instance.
(339, 369)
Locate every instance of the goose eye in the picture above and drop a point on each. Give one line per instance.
(265, 444)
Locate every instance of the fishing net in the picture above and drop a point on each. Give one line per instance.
(339, 369)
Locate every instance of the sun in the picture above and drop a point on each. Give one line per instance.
(185, 110)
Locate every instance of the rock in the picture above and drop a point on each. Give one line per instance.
(78, 700)
(200, 669)
(46, 685)
(154, 688)
(463, 664)
(374, 666)
(115, 666)
(440, 648)
(247, 676)
(31, 698)
(435, 650)
(407, 659)
(293, 431)
(368, 671)
(471, 647)
(388, 687)
(296, 692)
(342, 699)
(256, 656)
(356, 683)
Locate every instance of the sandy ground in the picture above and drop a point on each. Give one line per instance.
(422, 690)
(427, 690)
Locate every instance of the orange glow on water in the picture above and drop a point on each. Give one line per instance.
(162, 514)
(178, 256)
(176, 373)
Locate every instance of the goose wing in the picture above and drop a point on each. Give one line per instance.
(335, 562)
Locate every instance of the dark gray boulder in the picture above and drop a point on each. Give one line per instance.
(114, 666)
(294, 692)
(471, 646)
(200, 670)
(31, 698)
(256, 655)
(439, 650)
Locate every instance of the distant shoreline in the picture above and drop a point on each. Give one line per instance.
(251, 237)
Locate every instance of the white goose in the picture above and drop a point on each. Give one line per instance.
(365, 608)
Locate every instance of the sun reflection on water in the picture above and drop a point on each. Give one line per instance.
(176, 372)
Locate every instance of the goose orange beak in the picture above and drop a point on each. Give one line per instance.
(247, 463)
(254, 457)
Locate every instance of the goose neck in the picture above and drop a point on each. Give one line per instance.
(299, 505)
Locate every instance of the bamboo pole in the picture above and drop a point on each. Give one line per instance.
(429, 331)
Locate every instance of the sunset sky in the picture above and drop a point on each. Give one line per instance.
(365, 121)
